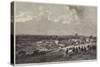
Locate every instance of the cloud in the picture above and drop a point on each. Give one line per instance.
(66, 16)
(55, 19)
(24, 16)
(63, 15)
(24, 19)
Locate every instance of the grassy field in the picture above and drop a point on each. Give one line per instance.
(56, 56)
(28, 49)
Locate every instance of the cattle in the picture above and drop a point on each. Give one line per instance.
(70, 50)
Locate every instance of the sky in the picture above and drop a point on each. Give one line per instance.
(54, 19)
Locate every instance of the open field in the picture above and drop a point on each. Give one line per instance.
(39, 48)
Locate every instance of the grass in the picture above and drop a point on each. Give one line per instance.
(56, 56)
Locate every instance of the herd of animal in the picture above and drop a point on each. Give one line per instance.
(77, 49)
(66, 51)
